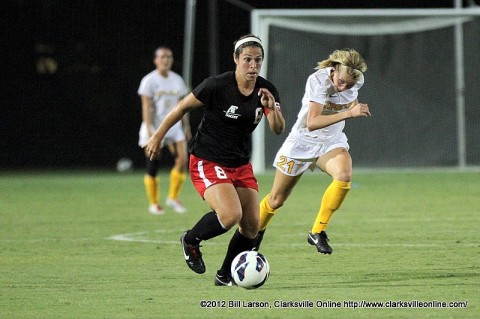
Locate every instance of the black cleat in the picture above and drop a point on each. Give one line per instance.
(223, 280)
(320, 240)
(193, 256)
(258, 240)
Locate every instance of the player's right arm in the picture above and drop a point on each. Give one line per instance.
(147, 110)
(185, 105)
(316, 120)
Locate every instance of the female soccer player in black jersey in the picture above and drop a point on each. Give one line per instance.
(234, 103)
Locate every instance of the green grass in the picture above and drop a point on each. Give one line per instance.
(399, 236)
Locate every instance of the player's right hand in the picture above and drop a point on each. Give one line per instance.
(153, 146)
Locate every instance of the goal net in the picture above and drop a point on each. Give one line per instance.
(422, 84)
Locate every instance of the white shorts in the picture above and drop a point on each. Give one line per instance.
(174, 135)
(296, 155)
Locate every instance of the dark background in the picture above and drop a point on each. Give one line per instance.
(71, 70)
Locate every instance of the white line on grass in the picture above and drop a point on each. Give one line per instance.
(142, 238)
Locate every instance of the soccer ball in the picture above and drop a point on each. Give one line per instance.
(250, 269)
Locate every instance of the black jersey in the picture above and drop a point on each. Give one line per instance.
(224, 134)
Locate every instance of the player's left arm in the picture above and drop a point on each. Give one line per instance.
(274, 114)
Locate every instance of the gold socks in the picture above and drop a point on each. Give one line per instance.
(151, 188)
(266, 213)
(331, 201)
(177, 179)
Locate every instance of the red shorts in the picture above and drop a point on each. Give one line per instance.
(205, 174)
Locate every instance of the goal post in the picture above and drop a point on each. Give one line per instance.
(418, 60)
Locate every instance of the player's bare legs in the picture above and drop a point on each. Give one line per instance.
(338, 164)
(180, 149)
(249, 222)
(177, 176)
(224, 200)
(281, 190)
(226, 212)
(244, 237)
(152, 185)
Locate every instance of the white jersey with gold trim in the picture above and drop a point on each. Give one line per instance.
(165, 93)
(319, 88)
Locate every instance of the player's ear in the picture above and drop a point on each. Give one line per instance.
(235, 59)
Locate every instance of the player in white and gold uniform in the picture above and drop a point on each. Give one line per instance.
(317, 140)
(160, 90)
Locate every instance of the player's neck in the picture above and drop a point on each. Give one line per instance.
(245, 87)
(163, 73)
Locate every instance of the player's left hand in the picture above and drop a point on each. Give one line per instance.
(266, 98)
(359, 110)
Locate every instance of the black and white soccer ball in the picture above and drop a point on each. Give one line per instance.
(250, 269)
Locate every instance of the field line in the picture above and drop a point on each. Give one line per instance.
(142, 238)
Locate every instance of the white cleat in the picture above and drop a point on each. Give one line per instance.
(176, 205)
(156, 209)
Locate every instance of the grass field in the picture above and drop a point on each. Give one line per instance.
(82, 245)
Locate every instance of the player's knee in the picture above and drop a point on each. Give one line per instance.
(151, 167)
(180, 163)
(276, 200)
(344, 176)
(249, 231)
(249, 227)
(229, 220)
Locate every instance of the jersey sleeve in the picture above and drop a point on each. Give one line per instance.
(204, 92)
(183, 90)
(145, 88)
(316, 89)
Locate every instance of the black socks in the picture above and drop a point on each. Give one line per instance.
(207, 227)
(237, 244)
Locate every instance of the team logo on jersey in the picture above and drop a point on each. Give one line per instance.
(334, 106)
(172, 92)
(231, 112)
(258, 115)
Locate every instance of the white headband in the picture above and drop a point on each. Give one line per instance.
(245, 40)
